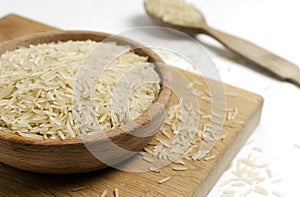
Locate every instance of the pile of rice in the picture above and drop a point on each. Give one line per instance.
(36, 89)
(177, 12)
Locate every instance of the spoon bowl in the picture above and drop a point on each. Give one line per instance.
(72, 155)
(189, 27)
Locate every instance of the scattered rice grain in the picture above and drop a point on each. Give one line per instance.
(154, 170)
(164, 180)
(206, 99)
(104, 193)
(277, 194)
(257, 149)
(297, 146)
(179, 168)
(269, 172)
(247, 192)
(238, 184)
(259, 189)
(228, 192)
(207, 116)
(276, 181)
(210, 158)
(116, 192)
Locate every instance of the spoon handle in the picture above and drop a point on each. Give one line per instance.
(257, 55)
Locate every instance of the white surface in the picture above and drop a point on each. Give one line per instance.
(273, 24)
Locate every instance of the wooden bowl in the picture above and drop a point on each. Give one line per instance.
(72, 155)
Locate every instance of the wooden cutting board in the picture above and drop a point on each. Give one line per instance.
(197, 181)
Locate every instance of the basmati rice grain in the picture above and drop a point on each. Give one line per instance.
(208, 116)
(277, 194)
(259, 189)
(210, 158)
(148, 150)
(116, 192)
(228, 192)
(165, 133)
(206, 99)
(207, 93)
(247, 192)
(164, 180)
(257, 149)
(276, 181)
(104, 193)
(179, 161)
(238, 184)
(269, 172)
(239, 122)
(179, 168)
(297, 146)
(164, 143)
(154, 170)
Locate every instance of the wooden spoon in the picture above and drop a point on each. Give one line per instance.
(192, 25)
(71, 155)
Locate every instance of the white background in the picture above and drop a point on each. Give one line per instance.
(273, 24)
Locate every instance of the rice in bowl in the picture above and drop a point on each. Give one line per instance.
(37, 82)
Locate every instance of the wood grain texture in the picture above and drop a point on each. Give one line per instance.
(197, 181)
(280, 67)
(20, 27)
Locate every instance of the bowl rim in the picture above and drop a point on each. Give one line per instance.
(163, 97)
